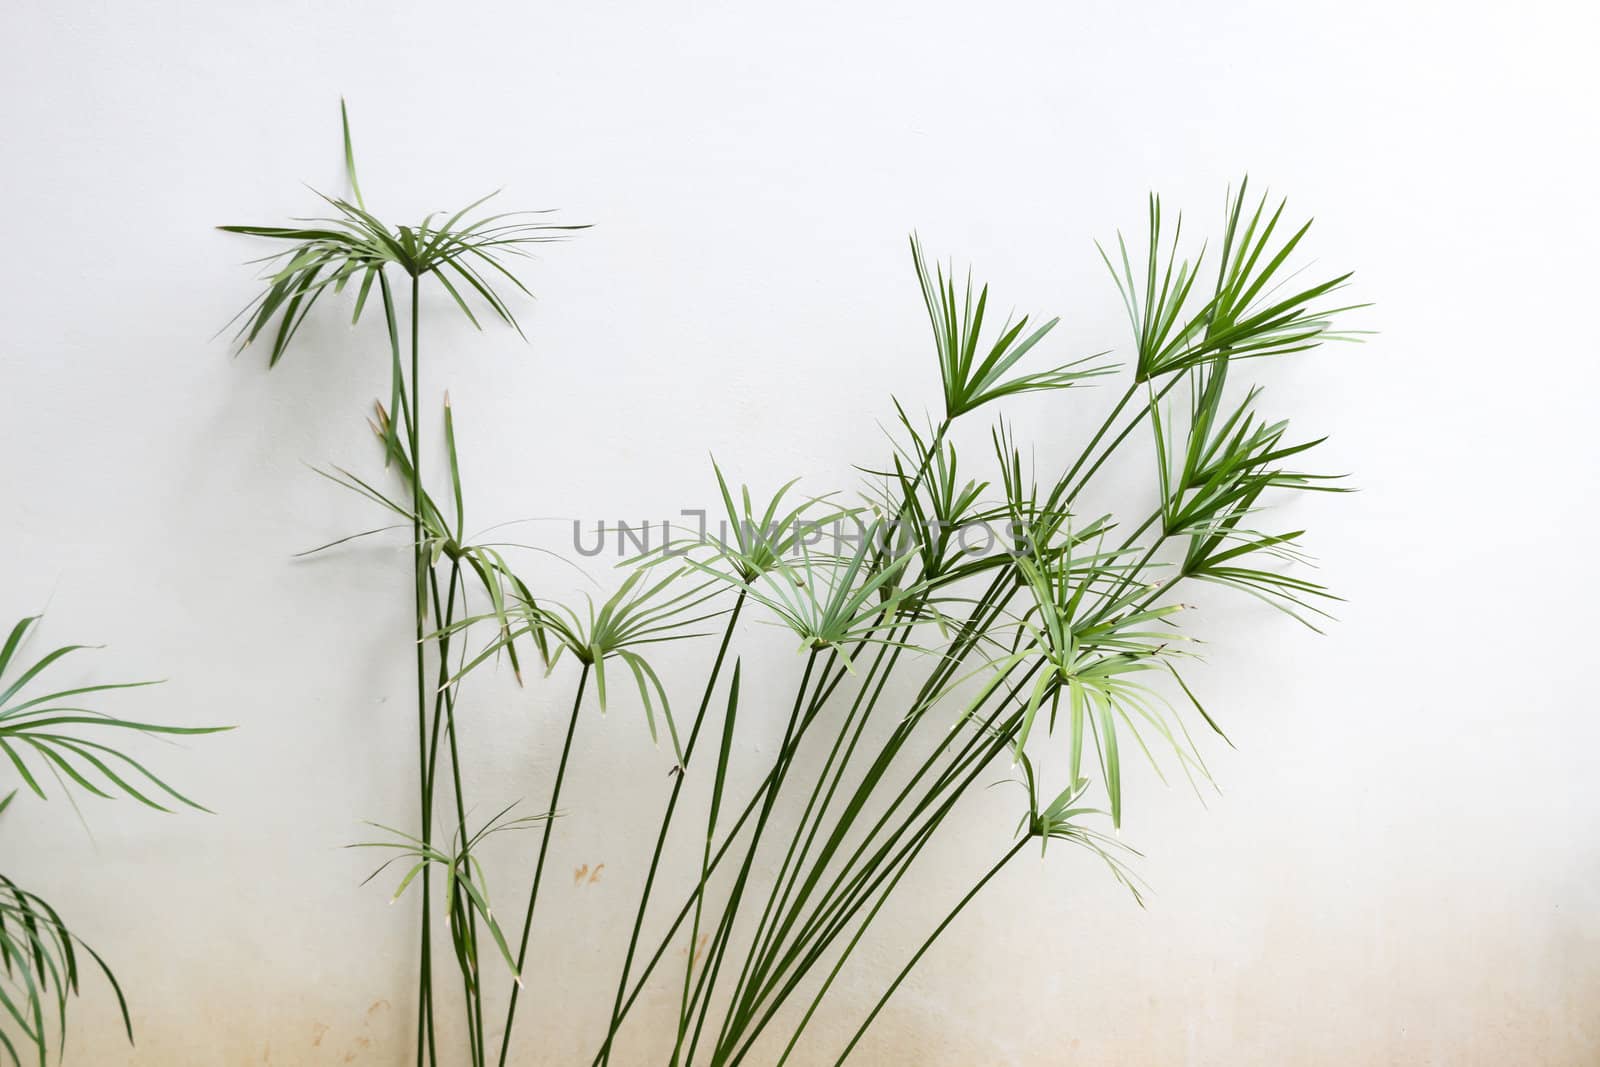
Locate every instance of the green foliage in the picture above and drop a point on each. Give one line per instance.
(468, 255)
(49, 736)
(1065, 818)
(1063, 649)
(1246, 314)
(1091, 655)
(51, 732)
(970, 381)
(472, 257)
(440, 537)
(1213, 481)
(645, 610)
(929, 506)
(40, 967)
(471, 254)
(751, 541)
(466, 884)
(834, 602)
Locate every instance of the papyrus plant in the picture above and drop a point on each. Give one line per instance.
(59, 738)
(471, 254)
(1052, 658)
(1049, 660)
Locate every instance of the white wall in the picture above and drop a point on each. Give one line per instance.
(1403, 865)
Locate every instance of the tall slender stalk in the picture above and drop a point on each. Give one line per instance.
(696, 896)
(764, 951)
(885, 868)
(444, 707)
(694, 899)
(470, 256)
(1067, 482)
(731, 909)
(922, 951)
(763, 955)
(666, 818)
(544, 852)
(419, 569)
(795, 854)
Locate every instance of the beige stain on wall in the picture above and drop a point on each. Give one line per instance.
(1313, 998)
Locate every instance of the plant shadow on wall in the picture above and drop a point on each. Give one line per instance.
(1054, 656)
(53, 737)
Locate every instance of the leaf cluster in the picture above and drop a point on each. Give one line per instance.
(974, 372)
(53, 735)
(470, 257)
(1245, 315)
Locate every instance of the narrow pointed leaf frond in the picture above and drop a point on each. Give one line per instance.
(975, 372)
(52, 731)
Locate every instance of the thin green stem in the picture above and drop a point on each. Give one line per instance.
(779, 898)
(538, 870)
(445, 701)
(666, 821)
(825, 691)
(892, 746)
(831, 915)
(695, 896)
(890, 872)
(917, 956)
(1116, 443)
(785, 750)
(419, 563)
(967, 640)
(965, 643)
(1065, 484)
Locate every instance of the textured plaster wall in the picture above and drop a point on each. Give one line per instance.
(1403, 865)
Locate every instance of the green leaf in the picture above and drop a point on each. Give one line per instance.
(61, 736)
(971, 382)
